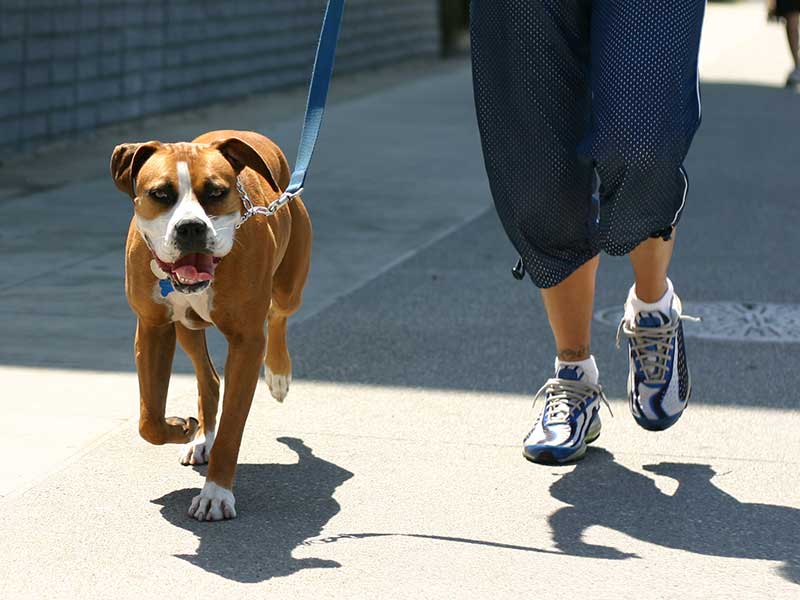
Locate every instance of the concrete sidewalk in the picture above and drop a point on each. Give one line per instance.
(394, 468)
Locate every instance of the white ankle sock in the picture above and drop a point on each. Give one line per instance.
(664, 304)
(588, 365)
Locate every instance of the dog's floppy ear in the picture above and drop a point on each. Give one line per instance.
(127, 160)
(241, 154)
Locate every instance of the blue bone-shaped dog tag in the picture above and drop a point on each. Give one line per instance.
(166, 287)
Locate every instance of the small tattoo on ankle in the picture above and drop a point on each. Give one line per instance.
(573, 354)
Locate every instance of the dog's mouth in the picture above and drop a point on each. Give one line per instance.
(191, 272)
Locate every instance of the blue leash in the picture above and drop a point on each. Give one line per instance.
(317, 92)
(315, 109)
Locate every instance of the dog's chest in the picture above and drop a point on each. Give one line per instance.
(192, 310)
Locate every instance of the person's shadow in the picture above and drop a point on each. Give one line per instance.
(699, 517)
(281, 506)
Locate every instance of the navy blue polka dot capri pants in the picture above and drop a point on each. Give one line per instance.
(586, 110)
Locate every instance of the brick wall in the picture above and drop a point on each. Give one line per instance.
(68, 66)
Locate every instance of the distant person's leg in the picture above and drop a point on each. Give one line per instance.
(531, 77)
(792, 21)
(792, 33)
(789, 10)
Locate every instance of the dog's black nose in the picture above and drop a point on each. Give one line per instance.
(191, 234)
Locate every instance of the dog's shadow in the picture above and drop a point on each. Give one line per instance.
(280, 507)
(699, 517)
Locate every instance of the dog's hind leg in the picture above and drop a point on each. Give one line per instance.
(193, 342)
(155, 348)
(287, 296)
(278, 363)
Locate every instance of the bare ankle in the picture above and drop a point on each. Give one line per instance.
(574, 354)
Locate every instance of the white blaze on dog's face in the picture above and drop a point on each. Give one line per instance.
(186, 202)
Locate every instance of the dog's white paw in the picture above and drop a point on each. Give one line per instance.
(213, 503)
(198, 451)
(278, 384)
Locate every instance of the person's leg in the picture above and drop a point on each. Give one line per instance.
(646, 110)
(532, 99)
(533, 103)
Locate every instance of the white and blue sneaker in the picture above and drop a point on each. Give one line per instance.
(570, 419)
(659, 384)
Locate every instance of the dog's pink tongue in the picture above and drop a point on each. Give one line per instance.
(194, 268)
(190, 275)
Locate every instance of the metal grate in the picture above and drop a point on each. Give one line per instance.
(732, 321)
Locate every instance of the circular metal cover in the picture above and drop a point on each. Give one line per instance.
(731, 321)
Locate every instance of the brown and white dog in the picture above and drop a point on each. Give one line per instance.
(187, 267)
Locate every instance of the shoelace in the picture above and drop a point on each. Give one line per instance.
(562, 396)
(652, 346)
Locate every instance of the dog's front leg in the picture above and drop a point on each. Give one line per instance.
(155, 349)
(245, 355)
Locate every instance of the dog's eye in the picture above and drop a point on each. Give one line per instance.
(162, 195)
(215, 193)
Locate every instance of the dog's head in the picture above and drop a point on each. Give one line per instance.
(186, 202)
